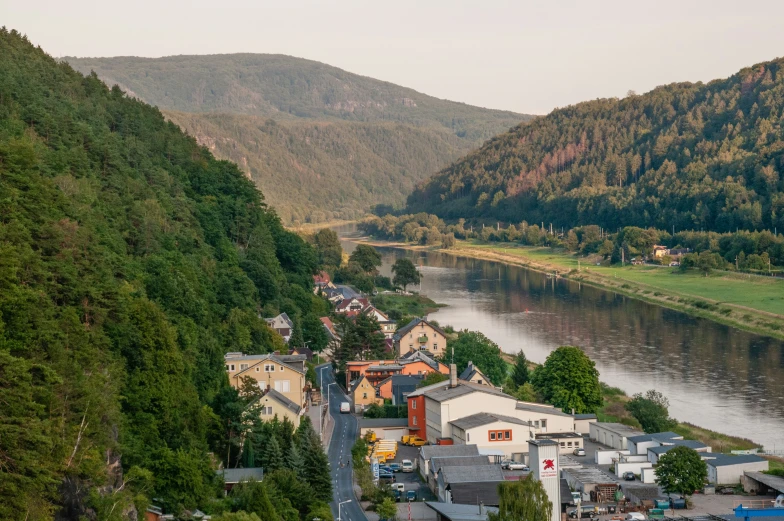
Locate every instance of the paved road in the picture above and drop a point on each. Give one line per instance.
(343, 436)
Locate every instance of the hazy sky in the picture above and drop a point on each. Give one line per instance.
(516, 55)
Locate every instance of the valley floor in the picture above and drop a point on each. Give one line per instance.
(748, 302)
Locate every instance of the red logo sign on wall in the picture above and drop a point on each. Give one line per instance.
(547, 469)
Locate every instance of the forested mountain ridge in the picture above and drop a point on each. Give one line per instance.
(131, 260)
(336, 131)
(316, 171)
(686, 155)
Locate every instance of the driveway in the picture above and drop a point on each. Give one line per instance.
(344, 433)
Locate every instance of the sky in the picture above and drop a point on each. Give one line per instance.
(525, 56)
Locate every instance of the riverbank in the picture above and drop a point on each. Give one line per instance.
(747, 302)
(412, 305)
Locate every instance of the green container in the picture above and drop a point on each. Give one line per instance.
(662, 503)
(656, 513)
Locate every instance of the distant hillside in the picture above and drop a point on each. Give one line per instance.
(685, 155)
(315, 171)
(380, 139)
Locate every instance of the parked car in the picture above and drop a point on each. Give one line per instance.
(414, 441)
(400, 487)
(384, 468)
(395, 467)
(634, 516)
(579, 452)
(411, 495)
(586, 512)
(386, 477)
(398, 495)
(345, 407)
(628, 476)
(407, 466)
(514, 465)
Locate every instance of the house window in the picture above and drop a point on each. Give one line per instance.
(544, 424)
(568, 443)
(281, 368)
(479, 381)
(563, 444)
(413, 404)
(269, 368)
(243, 367)
(364, 395)
(468, 436)
(283, 386)
(415, 420)
(435, 335)
(257, 369)
(505, 435)
(232, 367)
(536, 424)
(410, 346)
(266, 411)
(435, 347)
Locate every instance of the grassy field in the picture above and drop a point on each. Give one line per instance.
(406, 305)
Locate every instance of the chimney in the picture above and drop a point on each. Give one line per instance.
(452, 375)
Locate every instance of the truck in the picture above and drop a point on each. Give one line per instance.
(345, 407)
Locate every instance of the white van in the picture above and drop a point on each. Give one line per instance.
(345, 407)
(634, 516)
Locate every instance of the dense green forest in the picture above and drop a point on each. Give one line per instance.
(342, 143)
(318, 171)
(131, 260)
(692, 156)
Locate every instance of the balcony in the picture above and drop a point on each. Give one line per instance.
(422, 339)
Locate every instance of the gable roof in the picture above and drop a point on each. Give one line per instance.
(285, 360)
(288, 404)
(463, 389)
(402, 379)
(371, 309)
(437, 463)
(346, 302)
(411, 325)
(434, 451)
(421, 356)
(692, 444)
(355, 383)
(470, 371)
(485, 418)
(540, 408)
(471, 474)
(279, 321)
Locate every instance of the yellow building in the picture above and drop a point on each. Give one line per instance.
(363, 393)
(419, 335)
(274, 404)
(282, 373)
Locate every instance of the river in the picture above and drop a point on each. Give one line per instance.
(714, 376)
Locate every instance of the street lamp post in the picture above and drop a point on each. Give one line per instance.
(341, 504)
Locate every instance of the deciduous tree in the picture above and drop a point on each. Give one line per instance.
(681, 470)
(569, 380)
(405, 273)
(524, 499)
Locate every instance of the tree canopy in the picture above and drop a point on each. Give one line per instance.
(568, 379)
(366, 257)
(405, 273)
(132, 260)
(651, 410)
(473, 346)
(525, 498)
(681, 470)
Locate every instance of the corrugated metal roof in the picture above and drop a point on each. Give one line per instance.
(457, 512)
(471, 474)
(457, 461)
(485, 418)
(774, 482)
(435, 451)
(726, 460)
(544, 409)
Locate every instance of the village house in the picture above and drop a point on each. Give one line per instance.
(282, 324)
(582, 422)
(283, 373)
(363, 393)
(275, 404)
(417, 364)
(397, 388)
(352, 307)
(387, 326)
(498, 435)
(545, 418)
(474, 375)
(417, 335)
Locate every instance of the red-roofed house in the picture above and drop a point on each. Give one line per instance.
(352, 307)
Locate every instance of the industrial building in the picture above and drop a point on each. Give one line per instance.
(614, 435)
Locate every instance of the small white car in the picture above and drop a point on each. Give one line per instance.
(634, 516)
(515, 465)
(406, 466)
(579, 452)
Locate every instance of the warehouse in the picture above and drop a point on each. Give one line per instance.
(614, 435)
(654, 453)
(724, 469)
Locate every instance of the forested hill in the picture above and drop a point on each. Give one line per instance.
(131, 260)
(686, 155)
(336, 132)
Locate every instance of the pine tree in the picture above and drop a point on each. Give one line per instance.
(318, 470)
(294, 461)
(520, 374)
(297, 338)
(251, 496)
(285, 434)
(273, 456)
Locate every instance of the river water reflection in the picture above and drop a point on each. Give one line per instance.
(715, 376)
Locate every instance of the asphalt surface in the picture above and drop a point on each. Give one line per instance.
(344, 433)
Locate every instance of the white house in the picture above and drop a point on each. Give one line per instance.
(641, 444)
(724, 469)
(493, 431)
(545, 418)
(582, 422)
(614, 435)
